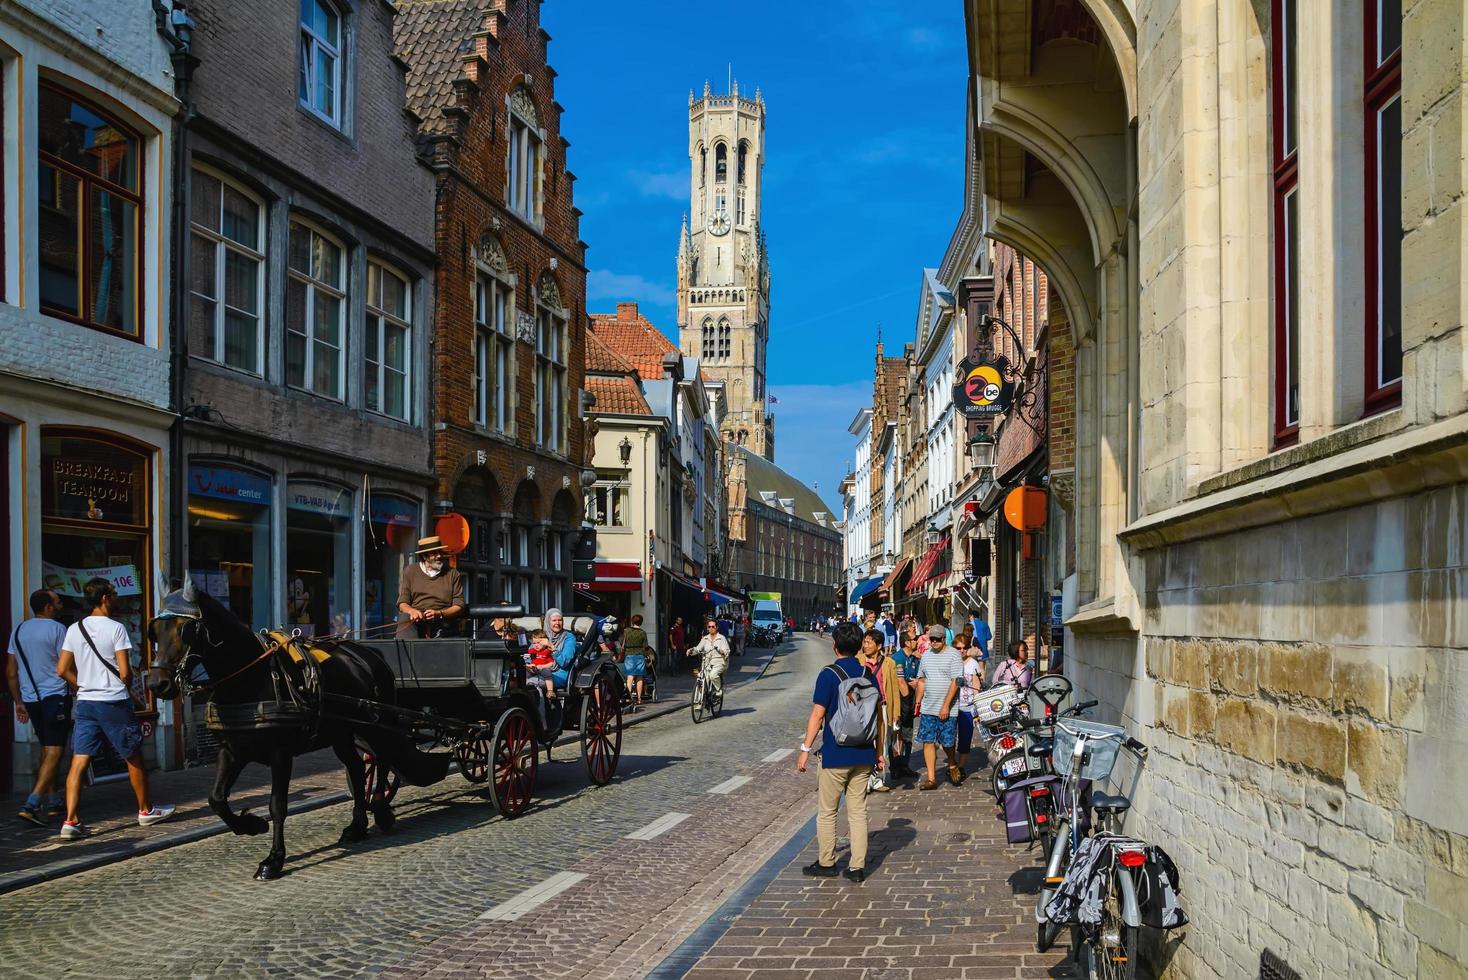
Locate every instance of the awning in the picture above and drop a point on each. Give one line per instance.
(615, 576)
(925, 566)
(948, 582)
(898, 573)
(720, 594)
(865, 586)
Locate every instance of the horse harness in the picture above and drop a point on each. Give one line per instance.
(295, 680)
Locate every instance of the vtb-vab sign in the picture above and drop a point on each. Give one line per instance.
(982, 390)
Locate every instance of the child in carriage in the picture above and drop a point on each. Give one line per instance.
(541, 664)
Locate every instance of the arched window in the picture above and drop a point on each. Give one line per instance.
(743, 152)
(1286, 228)
(721, 163)
(726, 344)
(525, 157)
(707, 348)
(703, 166)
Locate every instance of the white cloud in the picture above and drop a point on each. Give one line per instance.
(811, 441)
(627, 287)
(672, 185)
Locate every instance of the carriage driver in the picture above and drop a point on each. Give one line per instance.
(429, 591)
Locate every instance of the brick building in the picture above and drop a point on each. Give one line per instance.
(307, 287)
(508, 361)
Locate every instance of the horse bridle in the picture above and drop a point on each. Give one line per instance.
(191, 658)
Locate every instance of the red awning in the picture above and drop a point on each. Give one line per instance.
(616, 576)
(925, 567)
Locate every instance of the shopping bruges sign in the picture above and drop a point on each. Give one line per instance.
(982, 390)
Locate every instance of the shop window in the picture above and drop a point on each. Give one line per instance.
(1285, 98)
(90, 208)
(389, 341)
(229, 539)
(318, 553)
(393, 526)
(226, 273)
(96, 521)
(1383, 98)
(320, 86)
(314, 311)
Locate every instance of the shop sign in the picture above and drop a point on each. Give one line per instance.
(73, 581)
(982, 390)
(317, 499)
(86, 479)
(386, 509)
(227, 484)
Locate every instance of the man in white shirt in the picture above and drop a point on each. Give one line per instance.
(41, 698)
(94, 660)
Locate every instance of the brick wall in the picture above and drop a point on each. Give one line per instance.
(246, 82)
(470, 153)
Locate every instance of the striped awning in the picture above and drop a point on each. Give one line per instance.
(925, 566)
(616, 576)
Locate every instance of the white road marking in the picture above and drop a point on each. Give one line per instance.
(532, 898)
(730, 785)
(661, 825)
(779, 754)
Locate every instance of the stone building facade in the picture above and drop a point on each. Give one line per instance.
(86, 374)
(1255, 234)
(307, 287)
(508, 361)
(723, 268)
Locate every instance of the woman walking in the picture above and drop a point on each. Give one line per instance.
(873, 657)
(968, 694)
(634, 658)
(1016, 670)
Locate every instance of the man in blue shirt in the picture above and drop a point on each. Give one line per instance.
(845, 769)
(983, 636)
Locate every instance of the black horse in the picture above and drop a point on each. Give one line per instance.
(303, 708)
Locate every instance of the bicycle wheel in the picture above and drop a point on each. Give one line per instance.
(698, 704)
(716, 700)
(1111, 948)
(999, 783)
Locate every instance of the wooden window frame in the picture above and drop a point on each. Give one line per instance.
(552, 362)
(1286, 175)
(86, 180)
(378, 319)
(223, 244)
(495, 407)
(312, 284)
(1383, 86)
(310, 42)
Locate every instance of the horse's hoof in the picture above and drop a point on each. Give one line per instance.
(268, 871)
(248, 824)
(353, 835)
(385, 819)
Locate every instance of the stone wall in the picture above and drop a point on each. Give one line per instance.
(1301, 693)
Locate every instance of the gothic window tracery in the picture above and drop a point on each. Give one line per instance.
(743, 152)
(721, 163)
(725, 339)
(707, 349)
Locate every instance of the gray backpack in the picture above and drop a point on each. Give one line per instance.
(854, 723)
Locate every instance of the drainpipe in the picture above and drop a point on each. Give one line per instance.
(176, 28)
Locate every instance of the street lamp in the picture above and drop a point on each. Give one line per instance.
(981, 450)
(624, 449)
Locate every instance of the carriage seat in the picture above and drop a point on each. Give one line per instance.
(579, 624)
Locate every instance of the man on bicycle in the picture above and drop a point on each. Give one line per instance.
(714, 650)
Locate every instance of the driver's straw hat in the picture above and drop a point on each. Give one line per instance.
(429, 545)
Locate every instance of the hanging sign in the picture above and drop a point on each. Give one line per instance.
(982, 390)
(1024, 508)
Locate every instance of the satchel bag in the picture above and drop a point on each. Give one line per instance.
(111, 668)
(64, 713)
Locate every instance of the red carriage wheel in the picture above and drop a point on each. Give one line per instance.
(472, 755)
(601, 730)
(373, 773)
(515, 759)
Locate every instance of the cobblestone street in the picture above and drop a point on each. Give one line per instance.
(431, 899)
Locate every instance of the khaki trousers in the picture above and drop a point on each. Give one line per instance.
(852, 781)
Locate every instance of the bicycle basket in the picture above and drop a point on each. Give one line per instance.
(1102, 744)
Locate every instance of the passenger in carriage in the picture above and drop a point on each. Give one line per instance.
(430, 592)
(562, 646)
(540, 668)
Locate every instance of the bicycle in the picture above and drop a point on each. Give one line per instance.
(707, 699)
(1086, 750)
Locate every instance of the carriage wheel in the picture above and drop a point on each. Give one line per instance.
(472, 755)
(601, 730)
(515, 760)
(373, 772)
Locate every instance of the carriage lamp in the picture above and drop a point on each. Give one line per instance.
(624, 449)
(981, 450)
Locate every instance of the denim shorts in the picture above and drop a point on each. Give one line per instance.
(931, 729)
(51, 719)
(635, 665)
(98, 722)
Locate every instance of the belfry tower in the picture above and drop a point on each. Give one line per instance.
(723, 271)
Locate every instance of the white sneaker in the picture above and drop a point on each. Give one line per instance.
(73, 831)
(156, 815)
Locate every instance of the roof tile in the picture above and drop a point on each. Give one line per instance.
(617, 396)
(633, 336)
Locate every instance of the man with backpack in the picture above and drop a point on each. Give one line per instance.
(845, 712)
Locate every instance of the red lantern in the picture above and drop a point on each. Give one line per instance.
(453, 531)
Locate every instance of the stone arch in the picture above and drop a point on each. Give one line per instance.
(563, 509)
(526, 506)
(476, 489)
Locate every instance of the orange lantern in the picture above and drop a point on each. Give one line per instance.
(1024, 509)
(453, 531)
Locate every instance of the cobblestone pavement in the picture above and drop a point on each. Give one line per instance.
(28, 852)
(947, 897)
(194, 910)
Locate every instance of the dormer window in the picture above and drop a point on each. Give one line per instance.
(320, 86)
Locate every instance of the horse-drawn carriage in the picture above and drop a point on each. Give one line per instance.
(393, 710)
(470, 696)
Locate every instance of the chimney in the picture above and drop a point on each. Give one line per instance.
(626, 311)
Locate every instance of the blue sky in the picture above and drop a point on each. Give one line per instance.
(863, 178)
